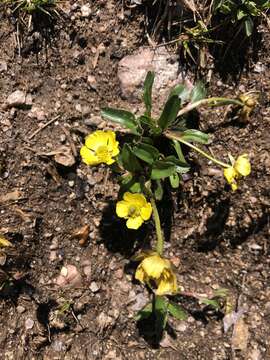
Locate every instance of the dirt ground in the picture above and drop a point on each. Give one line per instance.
(217, 238)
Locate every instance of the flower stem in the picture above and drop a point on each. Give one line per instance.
(214, 101)
(160, 239)
(208, 156)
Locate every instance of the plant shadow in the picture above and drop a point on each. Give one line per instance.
(237, 51)
(118, 238)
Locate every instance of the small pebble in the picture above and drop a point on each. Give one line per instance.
(85, 11)
(94, 287)
(29, 323)
(20, 309)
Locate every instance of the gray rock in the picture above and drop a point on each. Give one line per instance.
(16, 99)
(3, 66)
(132, 71)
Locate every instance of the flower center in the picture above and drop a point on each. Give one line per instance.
(133, 211)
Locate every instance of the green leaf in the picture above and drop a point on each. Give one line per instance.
(177, 311)
(182, 91)
(149, 123)
(145, 312)
(122, 117)
(129, 160)
(161, 309)
(158, 191)
(147, 93)
(198, 92)
(210, 302)
(162, 169)
(169, 112)
(240, 14)
(174, 181)
(248, 26)
(130, 183)
(180, 167)
(146, 152)
(179, 152)
(195, 136)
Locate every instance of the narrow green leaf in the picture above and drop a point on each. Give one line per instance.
(169, 112)
(174, 181)
(129, 160)
(195, 136)
(177, 311)
(162, 169)
(145, 312)
(122, 117)
(210, 302)
(178, 149)
(248, 26)
(147, 93)
(146, 152)
(198, 92)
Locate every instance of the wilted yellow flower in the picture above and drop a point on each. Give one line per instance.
(249, 100)
(100, 147)
(240, 167)
(135, 209)
(159, 270)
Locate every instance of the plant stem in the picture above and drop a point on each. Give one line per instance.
(160, 239)
(172, 136)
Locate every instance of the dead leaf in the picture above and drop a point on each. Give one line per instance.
(11, 196)
(82, 234)
(240, 335)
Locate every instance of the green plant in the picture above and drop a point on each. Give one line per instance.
(151, 159)
(33, 6)
(243, 11)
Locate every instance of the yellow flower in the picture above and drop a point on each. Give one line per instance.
(155, 268)
(135, 209)
(100, 147)
(240, 167)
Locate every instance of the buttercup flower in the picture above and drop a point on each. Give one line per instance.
(240, 167)
(135, 209)
(159, 270)
(100, 147)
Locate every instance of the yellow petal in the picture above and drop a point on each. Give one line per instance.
(122, 209)
(96, 139)
(167, 286)
(234, 186)
(134, 223)
(230, 174)
(112, 143)
(140, 274)
(154, 266)
(242, 165)
(136, 199)
(88, 156)
(110, 161)
(146, 211)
